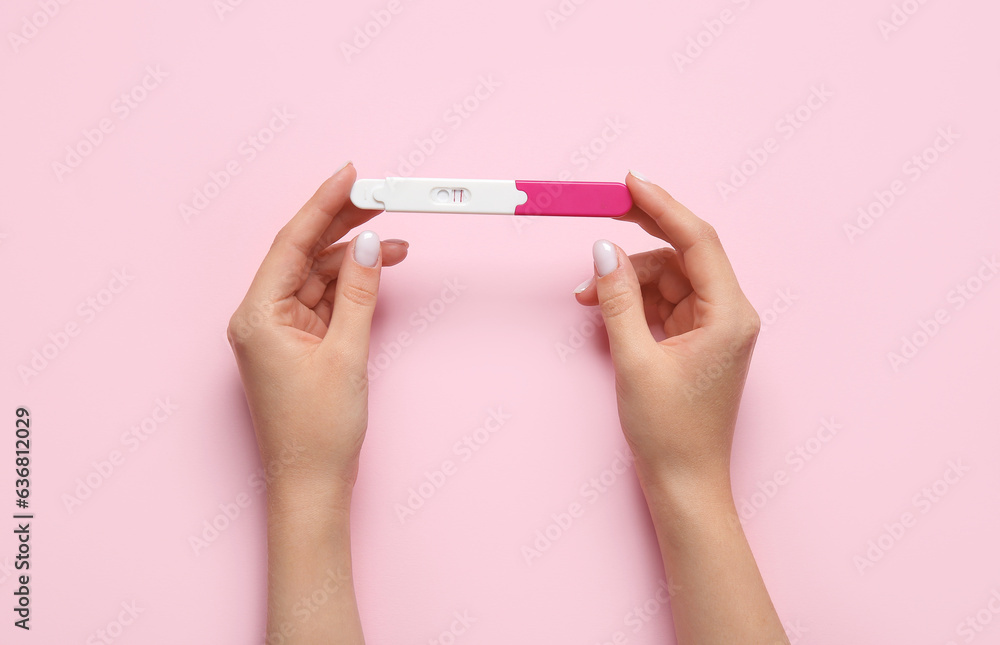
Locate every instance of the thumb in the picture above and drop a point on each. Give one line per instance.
(356, 293)
(620, 299)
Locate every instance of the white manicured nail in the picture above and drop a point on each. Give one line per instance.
(605, 257)
(366, 248)
(638, 175)
(583, 285)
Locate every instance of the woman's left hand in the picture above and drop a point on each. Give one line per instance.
(301, 337)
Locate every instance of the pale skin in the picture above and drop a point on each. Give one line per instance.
(301, 338)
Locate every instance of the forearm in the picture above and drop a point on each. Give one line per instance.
(310, 591)
(718, 596)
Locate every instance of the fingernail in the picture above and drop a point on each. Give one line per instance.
(366, 248)
(583, 285)
(638, 175)
(342, 167)
(605, 257)
(396, 240)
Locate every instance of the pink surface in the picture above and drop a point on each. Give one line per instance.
(595, 199)
(152, 151)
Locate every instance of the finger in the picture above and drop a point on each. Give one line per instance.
(705, 262)
(305, 230)
(659, 268)
(662, 269)
(328, 264)
(656, 308)
(327, 267)
(355, 295)
(622, 307)
(683, 318)
(324, 308)
(325, 218)
(642, 218)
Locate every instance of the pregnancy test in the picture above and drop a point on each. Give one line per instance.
(492, 196)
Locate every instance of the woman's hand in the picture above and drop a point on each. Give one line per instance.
(301, 335)
(677, 401)
(677, 398)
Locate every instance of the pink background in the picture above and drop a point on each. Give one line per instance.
(835, 305)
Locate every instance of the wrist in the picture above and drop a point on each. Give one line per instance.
(309, 563)
(687, 495)
(691, 515)
(301, 497)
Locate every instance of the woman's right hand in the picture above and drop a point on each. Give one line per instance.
(677, 398)
(677, 401)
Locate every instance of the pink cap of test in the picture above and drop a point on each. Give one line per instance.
(598, 199)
